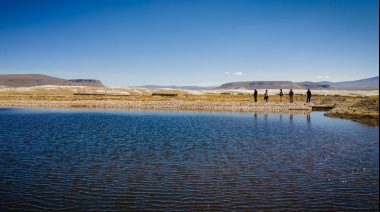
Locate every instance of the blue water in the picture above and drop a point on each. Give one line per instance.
(55, 159)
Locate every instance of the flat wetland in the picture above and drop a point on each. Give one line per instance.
(359, 106)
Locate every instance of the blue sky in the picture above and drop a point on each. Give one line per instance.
(194, 42)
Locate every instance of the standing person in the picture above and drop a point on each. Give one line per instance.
(308, 94)
(266, 95)
(255, 95)
(291, 94)
(281, 94)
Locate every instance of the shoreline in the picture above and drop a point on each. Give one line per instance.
(165, 105)
(368, 115)
(356, 105)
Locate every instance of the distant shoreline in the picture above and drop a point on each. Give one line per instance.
(164, 105)
(364, 111)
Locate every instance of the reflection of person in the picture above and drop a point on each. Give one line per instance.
(308, 117)
(281, 95)
(308, 94)
(291, 94)
(266, 95)
(255, 95)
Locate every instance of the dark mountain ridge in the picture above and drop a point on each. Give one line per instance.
(28, 80)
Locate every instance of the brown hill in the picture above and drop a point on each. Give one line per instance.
(28, 80)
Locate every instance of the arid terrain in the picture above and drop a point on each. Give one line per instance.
(360, 106)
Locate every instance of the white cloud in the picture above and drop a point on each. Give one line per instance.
(227, 72)
(238, 73)
(323, 77)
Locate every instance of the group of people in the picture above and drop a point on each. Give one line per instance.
(291, 95)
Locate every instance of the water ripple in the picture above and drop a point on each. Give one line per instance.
(185, 161)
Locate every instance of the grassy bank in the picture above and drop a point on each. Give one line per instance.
(365, 111)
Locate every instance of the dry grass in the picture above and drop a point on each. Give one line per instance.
(364, 110)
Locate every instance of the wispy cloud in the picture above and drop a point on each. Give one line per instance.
(238, 73)
(323, 77)
(227, 72)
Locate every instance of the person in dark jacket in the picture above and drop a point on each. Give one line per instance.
(291, 94)
(308, 95)
(255, 95)
(266, 95)
(281, 94)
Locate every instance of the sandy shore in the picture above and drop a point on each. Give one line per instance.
(165, 105)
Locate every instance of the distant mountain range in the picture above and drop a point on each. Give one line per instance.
(177, 87)
(364, 84)
(28, 80)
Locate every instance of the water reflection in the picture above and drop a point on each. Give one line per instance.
(279, 116)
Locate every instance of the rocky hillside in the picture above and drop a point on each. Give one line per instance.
(365, 84)
(28, 80)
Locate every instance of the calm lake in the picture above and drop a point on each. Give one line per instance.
(112, 160)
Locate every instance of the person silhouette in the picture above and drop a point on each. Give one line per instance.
(266, 96)
(308, 95)
(281, 94)
(255, 95)
(291, 94)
